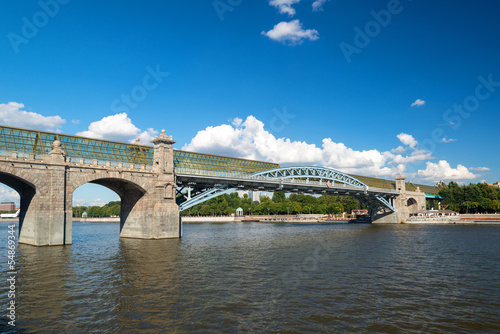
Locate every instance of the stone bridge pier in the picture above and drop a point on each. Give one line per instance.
(148, 207)
(406, 203)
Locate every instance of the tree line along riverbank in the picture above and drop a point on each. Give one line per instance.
(472, 198)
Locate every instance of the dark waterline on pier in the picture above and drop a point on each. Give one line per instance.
(255, 277)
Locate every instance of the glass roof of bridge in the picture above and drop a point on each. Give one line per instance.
(40, 142)
(388, 184)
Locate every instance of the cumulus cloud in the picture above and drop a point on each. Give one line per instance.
(291, 33)
(248, 139)
(407, 139)
(284, 6)
(442, 170)
(146, 136)
(318, 5)
(369, 162)
(98, 202)
(449, 140)
(8, 195)
(79, 202)
(415, 156)
(13, 115)
(398, 150)
(418, 103)
(118, 127)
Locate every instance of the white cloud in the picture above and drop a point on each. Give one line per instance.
(480, 169)
(291, 33)
(117, 127)
(318, 5)
(416, 156)
(407, 139)
(237, 121)
(346, 159)
(79, 202)
(284, 6)
(146, 136)
(75, 121)
(11, 114)
(418, 103)
(450, 140)
(8, 195)
(98, 202)
(443, 171)
(250, 140)
(398, 150)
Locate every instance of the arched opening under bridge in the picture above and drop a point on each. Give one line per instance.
(412, 205)
(25, 193)
(125, 192)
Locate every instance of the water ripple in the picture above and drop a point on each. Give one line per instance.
(269, 278)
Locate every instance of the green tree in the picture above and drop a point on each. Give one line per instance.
(205, 210)
(279, 197)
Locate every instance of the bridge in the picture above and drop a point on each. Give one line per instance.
(155, 182)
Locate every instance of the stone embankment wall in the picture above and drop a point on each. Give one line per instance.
(226, 219)
(462, 219)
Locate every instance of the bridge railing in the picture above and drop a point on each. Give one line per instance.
(109, 164)
(21, 155)
(39, 157)
(334, 184)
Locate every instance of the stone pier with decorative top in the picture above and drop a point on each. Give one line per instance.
(151, 212)
(406, 203)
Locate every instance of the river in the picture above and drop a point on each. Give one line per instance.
(264, 278)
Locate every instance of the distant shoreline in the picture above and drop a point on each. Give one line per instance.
(466, 219)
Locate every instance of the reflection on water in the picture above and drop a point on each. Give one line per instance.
(262, 278)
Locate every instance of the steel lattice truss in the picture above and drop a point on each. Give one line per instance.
(331, 178)
(312, 173)
(25, 142)
(193, 162)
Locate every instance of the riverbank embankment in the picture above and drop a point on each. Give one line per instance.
(467, 219)
(470, 219)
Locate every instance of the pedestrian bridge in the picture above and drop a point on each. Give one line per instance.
(154, 182)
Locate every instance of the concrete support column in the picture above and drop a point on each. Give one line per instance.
(45, 220)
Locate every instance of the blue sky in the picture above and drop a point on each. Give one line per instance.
(328, 83)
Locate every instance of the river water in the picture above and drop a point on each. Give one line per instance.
(264, 278)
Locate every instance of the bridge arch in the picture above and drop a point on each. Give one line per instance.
(311, 173)
(17, 177)
(316, 173)
(26, 190)
(412, 205)
(129, 191)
